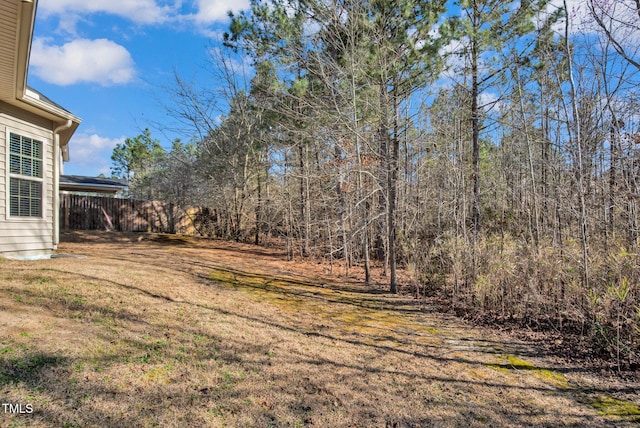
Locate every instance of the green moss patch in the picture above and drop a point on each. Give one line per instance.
(608, 406)
(511, 362)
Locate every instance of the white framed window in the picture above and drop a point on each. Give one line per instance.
(25, 156)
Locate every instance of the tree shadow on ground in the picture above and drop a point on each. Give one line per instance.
(306, 385)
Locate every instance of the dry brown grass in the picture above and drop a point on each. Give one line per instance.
(166, 331)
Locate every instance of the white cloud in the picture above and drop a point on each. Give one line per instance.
(199, 14)
(578, 15)
(240, 65)
(487, 98)
(210, 11)
(142, 11)
(97, 61)
(489, 101)
(92, 151)
(145, 11)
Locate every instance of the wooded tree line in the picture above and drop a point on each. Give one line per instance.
(488, 147)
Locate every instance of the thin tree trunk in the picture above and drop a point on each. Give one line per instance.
(360, 192)
(532, 176)
(258, 209)
(580, 159)
(303, 201)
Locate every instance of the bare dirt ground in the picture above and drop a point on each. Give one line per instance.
(155, 330)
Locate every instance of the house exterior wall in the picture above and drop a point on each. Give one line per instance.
(26, 236)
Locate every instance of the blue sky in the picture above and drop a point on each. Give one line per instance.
(110, 61)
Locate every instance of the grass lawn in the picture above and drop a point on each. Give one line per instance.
(166, 331)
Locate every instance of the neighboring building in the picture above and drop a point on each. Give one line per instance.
(99, 186)
(34, 138)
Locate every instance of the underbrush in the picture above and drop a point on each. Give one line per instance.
(543, 288)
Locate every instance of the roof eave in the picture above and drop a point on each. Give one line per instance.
(26, 21)
(53, 113)
(23, 98)
(97, 188)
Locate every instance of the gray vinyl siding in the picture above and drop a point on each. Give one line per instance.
(3, 174)
(26, 236)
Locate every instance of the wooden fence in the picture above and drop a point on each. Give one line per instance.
(79, 212)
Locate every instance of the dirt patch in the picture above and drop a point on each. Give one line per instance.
(155, 330)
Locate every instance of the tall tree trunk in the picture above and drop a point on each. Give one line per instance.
(613, 161)
(580, 157)
(393, 190)
(475, 137)
(383, 135)
(360, 190)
